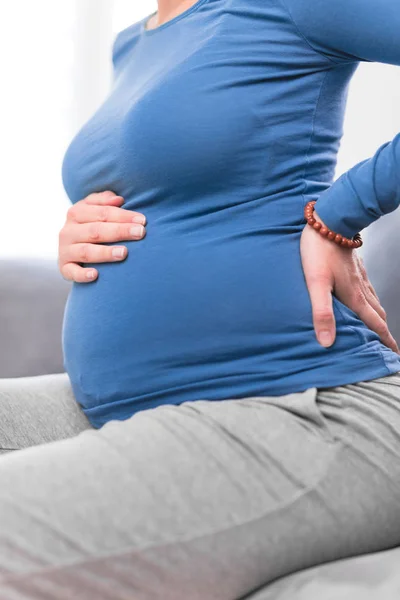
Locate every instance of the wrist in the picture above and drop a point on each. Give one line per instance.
(314, 221)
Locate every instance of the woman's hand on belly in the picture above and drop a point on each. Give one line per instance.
(96, 219)
(331, 269)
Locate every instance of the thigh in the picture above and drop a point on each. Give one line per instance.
(202, 500)
(38, 410)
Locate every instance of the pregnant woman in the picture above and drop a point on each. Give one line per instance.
(230, 411)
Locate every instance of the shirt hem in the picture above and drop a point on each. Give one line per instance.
(325, 376)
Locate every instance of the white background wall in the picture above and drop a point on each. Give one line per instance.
(55, 60)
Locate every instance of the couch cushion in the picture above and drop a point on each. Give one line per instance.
(367, 577)
(32, 299)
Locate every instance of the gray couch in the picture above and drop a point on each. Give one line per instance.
(32, 299)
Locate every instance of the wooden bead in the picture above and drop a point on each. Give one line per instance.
(356, 242)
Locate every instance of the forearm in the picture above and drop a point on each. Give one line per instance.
(363, 194)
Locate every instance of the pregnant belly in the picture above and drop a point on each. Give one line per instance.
(177, 312)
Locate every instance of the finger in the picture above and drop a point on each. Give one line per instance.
(374, 302)
(86, 213)
(365, 277)
(73, 272)
(322, 309)
(369, 290)
(107, 197)
(375, 322)
(373, 291)
(97, 233)
(94, 253)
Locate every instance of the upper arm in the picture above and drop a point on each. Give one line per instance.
(350, 30)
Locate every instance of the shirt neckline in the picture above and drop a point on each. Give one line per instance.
(172, 21)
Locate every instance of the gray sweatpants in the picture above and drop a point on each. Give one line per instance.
(202, 501)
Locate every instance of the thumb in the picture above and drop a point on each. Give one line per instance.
(323, 315)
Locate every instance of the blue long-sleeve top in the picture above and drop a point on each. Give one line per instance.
(347, 32)
(220, 126)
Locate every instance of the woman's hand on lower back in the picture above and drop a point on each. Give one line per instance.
(331, 269)
(96, 219)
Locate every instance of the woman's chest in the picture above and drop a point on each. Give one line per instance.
(193, 107)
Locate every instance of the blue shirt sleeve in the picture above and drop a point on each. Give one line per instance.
(347, 31)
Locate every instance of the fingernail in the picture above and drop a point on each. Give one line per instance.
(137, 231)
(139, 219)
(118, 252)
(90, 274)
(325, 338)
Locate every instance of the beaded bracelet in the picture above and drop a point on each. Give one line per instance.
(356, 242)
